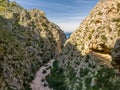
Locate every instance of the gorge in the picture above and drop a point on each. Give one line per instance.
(36, 55)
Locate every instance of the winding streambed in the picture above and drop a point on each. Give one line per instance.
(39, 82)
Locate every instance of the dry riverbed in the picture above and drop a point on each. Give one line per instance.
(39, 82)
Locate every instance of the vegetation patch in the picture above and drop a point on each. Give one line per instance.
(106, 79)
(56, 79)
(104, 37)
(116, 19)
(83, 72)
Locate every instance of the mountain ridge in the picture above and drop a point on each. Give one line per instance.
(28, 40)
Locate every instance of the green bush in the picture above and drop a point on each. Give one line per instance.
(104, 37)
(83, 72)
(116, 19)
(44, 71)
(87, 82)
(56, 79)
(106, 79)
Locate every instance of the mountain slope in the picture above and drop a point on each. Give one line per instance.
(85, 61)
(28, 40)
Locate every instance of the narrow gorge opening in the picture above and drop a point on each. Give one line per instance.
(79, 51)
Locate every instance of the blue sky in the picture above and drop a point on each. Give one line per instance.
(66, 13)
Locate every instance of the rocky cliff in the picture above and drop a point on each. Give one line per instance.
(116, 55)
(85, 61)
(28, 40)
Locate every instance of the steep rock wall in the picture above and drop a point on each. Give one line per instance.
(28, 40)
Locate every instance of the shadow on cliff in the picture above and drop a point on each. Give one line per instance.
(71, 52)
(28, 52)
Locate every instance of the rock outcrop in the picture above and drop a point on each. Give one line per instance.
(116, 55)
(85, 61)
(28, 40)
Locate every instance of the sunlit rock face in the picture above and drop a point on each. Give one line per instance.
(28, 40)
(86, 58)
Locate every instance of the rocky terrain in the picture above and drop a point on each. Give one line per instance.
(88, 55)
(28, 40)
(30, 45)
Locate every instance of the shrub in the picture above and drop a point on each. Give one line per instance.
(116, 19)
(88, 82)
(83, 72)
(44, 72)
(42, 80)
(77, 63)
(100, 13)
(56, 78)
(106, 79)
(104, 37)
(45, 84)
(118, 32)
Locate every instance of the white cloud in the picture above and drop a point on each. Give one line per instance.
(68, 24)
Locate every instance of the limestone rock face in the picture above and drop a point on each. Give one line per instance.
(87, 53)
(28, 40)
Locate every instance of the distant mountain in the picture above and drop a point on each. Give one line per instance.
(85, 61)
(68, 34)
(28, 40)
